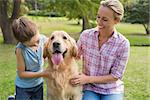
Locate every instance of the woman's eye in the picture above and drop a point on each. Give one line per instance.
(105, 19)
(52, 37)
(64, 37)
(97, 17)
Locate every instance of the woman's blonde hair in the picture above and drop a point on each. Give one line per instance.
(116, 6)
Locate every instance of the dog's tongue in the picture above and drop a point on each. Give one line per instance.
(57, 58)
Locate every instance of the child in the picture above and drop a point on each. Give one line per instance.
(29, 55)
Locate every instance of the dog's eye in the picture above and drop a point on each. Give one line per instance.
(64, 37)
(52, 37)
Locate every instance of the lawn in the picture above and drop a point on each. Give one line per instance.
(134, 32)
(137, 83)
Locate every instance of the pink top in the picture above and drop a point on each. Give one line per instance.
(111, 58)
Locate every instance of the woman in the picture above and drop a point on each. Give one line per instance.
(105, 53)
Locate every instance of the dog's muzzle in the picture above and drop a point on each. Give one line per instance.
(57, 55)
(56, 47)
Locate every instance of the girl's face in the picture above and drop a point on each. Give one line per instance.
(105, 19)
(34, 41)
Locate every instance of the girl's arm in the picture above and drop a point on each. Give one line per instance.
(21, 68)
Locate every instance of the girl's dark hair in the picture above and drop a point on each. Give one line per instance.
(24, 29)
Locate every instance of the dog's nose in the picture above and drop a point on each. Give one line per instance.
(56, 45)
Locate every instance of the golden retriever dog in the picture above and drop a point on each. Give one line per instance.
(61, 51)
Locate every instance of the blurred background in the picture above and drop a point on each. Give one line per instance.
(74, 16)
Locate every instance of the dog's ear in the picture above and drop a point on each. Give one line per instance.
(74, 49)
(45, 52)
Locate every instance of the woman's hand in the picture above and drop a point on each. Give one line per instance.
(79, 80)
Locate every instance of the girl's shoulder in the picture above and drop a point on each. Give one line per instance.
(20, 45)
(43, 38)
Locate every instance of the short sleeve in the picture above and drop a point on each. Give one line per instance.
(122, 58)
(44, 38)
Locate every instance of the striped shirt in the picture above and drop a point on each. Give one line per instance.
(111, 58)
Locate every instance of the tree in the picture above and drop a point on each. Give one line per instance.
(76, 9)
(6, 19)
(139, 13)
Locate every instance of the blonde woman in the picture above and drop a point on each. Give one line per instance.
(105, 53)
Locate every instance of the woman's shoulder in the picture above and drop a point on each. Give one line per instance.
(122, 39)
(88, 32)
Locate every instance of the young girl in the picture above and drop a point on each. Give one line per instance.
(29, 55)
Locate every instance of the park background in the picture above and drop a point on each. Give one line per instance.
(74, 16)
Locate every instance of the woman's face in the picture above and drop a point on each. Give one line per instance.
(105, 19)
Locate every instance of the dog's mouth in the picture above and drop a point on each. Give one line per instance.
(58, 56)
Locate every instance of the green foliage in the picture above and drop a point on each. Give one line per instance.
(23, 8)
(139, 12)
(74, 9)
(44, 13)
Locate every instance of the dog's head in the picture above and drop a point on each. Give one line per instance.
(60, 48)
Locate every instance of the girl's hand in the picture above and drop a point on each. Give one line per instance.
(79, 80)
(45, 74)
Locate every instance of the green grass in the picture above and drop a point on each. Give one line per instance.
(137, 83)
(134, 32)
(126, 28)
(48, 25)
(7, 70)
(137, 40)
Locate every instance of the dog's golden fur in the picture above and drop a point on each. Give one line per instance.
(59, 75)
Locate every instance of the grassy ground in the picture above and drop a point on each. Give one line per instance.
(137, 83)
(134, 32)
(7, 70)
(136, 76)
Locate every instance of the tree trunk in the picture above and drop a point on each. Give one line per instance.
(6, 22)
(147, 31)
(7, 32)
(85, 23)
(147, 28)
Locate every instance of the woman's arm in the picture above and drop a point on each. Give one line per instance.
(116, 71)
(84, 79)
(21, 68)
(101, 79)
